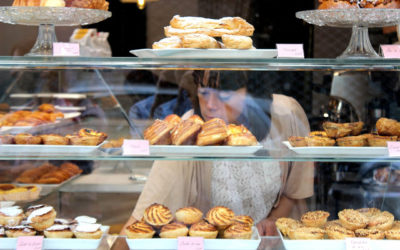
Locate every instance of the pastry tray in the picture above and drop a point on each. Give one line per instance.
(11, 243)
(336, 150)
(205, 53)
(158, 243)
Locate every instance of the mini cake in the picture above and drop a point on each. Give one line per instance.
(58, 231)
(42, 218)
(238, 231)
(373, 234)
(30, 209)
(17, 231)
(315, 218)
(139, 230)
(11, 216)
(174, 230)
(203, 229)
(220, 216)
(157, 215)
(88, 231)
(188, 215)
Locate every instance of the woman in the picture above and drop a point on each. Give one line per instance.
(265, 190)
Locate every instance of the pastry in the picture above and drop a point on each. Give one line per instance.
(356, 127)
(2, 232)
(30, 209)
(314, 218)
(332, 223)
(369, 211)
(139, 230)
(199, 41)
(185, 133)
(173, 119)
(396, 224)
(6, 139)
(33, 192)
(88, 231)
(352, 141)
(11, 216)
(53, 139)
(159, 133)
(239, 135)
(373, 234)
(85, 219)
(203, 229)
(243, 219)
(336, 130)
(317, 141)
(47, 107)
(237, 42)
(58, 231)
(393, 234)
(297, 141)
(352, 219)
(346, 4)
(188, 215)
(91, 4)
(389, 127)
(306, 233)
(318, 133)
(157, 215)
(25, 138)
(212, 132)
(337, 232)
(220, 216)
(16, 194)
(88, 132)
(238, 231)
(73, 169)
(382, 221)
(67, 222)
(196, 119)
(17, 231)
(172, 42)
(379, 140)
(42, 218)
(286, 224)
(173, 231)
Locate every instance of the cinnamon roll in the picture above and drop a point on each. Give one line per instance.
(157, 215)
(220, 216)
(238, 231)
(188, 215)
(203, 229)
(139, 230)
(212, 132)
(174, 230)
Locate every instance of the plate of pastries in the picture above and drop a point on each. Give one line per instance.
(220, 228)
(346, 139)
(175, 135)
(198, 37)
(82, 232)
(315, 231)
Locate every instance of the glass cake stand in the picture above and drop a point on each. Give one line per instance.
(359, 20)
(47, 18)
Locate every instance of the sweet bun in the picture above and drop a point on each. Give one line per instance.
(199, 41)
(139, 230)
(11, 216)
(352, 219)
(58, 231)
(314, 218)
(188, 215)
(174, 230)
(53, 139)
(220, 216)
(318, 141)
(389, 127)
(238, 231)
(157, 215)
(203, 229)
(172, 42)
(42, 218)
(237, 42)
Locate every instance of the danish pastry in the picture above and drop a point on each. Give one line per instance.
(42, 218)
(243, 219)
(314, 218)
(199, 41)
(58, 231)
(53, 139)
(188, 215)
(220, 216)
(17, 231)
(139, 230)
(185, 133)
(203, 229)
(286, 224)
(317, 141)
(297, 141)
(196, 119)
(212, 132)
(174, 230)
(88, 231)
(352, 141)
(306, 233)
(382, 221)
(337, 232)
(238, 231)
(159, 133)
(336, 130)
(157, 215)
(172, 42)
(380, 141)
(373, 234)
(239, 135)
(352, 219)
(237, 42)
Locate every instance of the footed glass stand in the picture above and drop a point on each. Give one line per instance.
(359, 20)
(47, 18)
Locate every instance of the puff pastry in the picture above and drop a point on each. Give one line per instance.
(212, 132)
(297, 141)
(220, 216)
(199, 41)
(159, 133)
(380, 141)
(237, 42)
(172, 42)
(185, 133)
(170, 31)
(239, 135)
(336, 130)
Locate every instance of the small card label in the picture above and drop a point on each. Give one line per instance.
(358, 244)
(136, 147)
(290, 50)
(190, 243)
(66, 49)
(29, 243)
(391, 51)
(393, 148)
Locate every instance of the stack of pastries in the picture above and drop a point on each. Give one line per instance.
(194, 131)
(200, 33)
(11, 192)
(90, 4)
(348, 135)
(49, 173)
(364, 222)
(41, 220)
(219, 221)
(348, 4)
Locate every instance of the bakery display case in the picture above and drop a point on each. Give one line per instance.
(106, 102)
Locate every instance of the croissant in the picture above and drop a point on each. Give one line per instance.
(185, 133)
(212, 132)
(159, 133)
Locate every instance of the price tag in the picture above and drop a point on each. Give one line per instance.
(358, 244)
(135, 147)
(290, 50)
(391, 51)
(66, 49)
(29, 243)
(190, 243)
(393, 148)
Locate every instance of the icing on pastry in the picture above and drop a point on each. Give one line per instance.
(85, 219)
(87, 227)
(58, 228)
(39, 212)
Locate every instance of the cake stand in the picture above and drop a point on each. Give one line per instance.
(359, 20)
(47, 18)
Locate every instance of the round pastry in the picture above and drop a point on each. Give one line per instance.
(286, 224)
(319, 141)
(66, 222)
(238, 231)
(315, 218)
(88, 231)
(396, 224)
(139, 230)
(42, 218)
(379, 140)
(220, 216)
(373, 234)
(393, 234)
(159, 133)
(336, 130)
(188, 215)
(369, 211)
(47, 107)
(85, 219)
(58, 231)
(53, 139)
(6, 139)
(389, 127)
(318, 133)
(239, 135)
(212, 132)
(382, 221)
(25, 138)
(16, 194)
(352, 141)
(203, 229)
(243, 219)
(336, 232)
(174, 230)
(31, 208)
(17, 231)
(352, 219)
(11, 216)
(185, 133)
(157, 215)
(306, 233)
(332, 223)
(356, 127)
(297, 141)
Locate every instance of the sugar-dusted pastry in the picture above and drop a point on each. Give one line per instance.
(352, 219)
(243, 219)
(352, 141)
(369, 211)
(314, 218)
(157, 215)
(54, 139)
(88, 231)
(11, 216)
(336, 130)
(172, 42)
(306, 233)
(297, 141)
(25, 138)
(239, 135)
(337, 232)
(237, 42)
(174, 230)
(199, 41)
(286, 224)
(380, 140)
(393, 234)
(382, 221)
(220, 216)
(389, 127)
(42, 218)
(17, 231)
(318, 133)
(58, 231)
(188, 215)
(173, 119)
(203, 229)
(212, 132)
(238, 231)
(159, 133)
(139, 230)
(185, 133)
(374, 234)
(319, 141)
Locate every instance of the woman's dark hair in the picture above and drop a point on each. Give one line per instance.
(223, 80)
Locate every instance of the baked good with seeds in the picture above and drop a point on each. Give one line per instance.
(352, 219)
(286, 224)
(373, 234)
(306, 233)
(315, 218)
(337, 232)
(382, 221)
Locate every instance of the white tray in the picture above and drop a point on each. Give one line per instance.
(158, 243)
(11, 243)
(336, 150)
(205, 53)
(40, 149)
(204, 150)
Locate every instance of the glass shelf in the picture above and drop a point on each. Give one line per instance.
(40, 63)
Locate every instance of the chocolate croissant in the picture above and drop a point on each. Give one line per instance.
(212, 132)
(157, 215)
(159, 133)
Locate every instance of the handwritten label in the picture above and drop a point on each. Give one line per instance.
(290, 50)
(66, 49)
(391, 51)
(393, 148)
(135, 147)
(190, 243)
(29, 243)
(358, 244)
